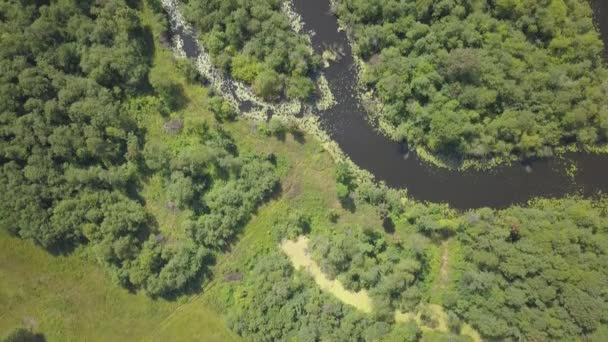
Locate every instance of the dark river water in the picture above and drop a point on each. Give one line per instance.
(347, 124)
(600, 11)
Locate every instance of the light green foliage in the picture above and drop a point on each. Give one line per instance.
(276, 127)
(246, 68)
(479, 79)
(221, 109)
(255, 43)
(292, 225)
(169, 91)
(268, 84)
(345, 181)
(300, 88)
(59, 297)
(364, 259)
(408, 332)
(188, 69)
(180, 188)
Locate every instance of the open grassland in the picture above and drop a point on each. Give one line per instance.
(70, 298)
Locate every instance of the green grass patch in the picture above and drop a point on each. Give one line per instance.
(71, 298)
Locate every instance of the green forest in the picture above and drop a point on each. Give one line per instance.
(253, 42)
(480, 79)
(135, 204)
(74, 92)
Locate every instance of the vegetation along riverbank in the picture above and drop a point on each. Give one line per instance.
(480, 84)
(137, 204)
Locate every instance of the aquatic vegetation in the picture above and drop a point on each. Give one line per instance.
(447, 76)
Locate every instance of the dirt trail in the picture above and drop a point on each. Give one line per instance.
(297, 251)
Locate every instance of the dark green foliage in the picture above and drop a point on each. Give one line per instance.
(161, 270)
(345, 181)
(529, 273)
(548, 285)
(275, 303)
(268, 84)
(276, 127)
(253, 41)
(156, 156)
(408, 332)
(454, 323)
(480, 79)
(169, 91)
(188, 68)
(63, 133)
(180, 189)
(364, 259)
(72, 98)
(230, 203)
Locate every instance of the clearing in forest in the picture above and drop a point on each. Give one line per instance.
(298, 254)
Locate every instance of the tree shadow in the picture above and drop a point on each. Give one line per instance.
(24, 335)
(148, 43)
(173, 95)
(62, 248)
(298, 136)
(349, 204)
(194, 286)
(281, 136)
(388, 225)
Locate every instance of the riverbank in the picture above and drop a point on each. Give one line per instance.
(348, 125)
(345, 130)
(375, 108)
(308, 186)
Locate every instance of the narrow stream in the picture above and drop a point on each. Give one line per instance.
(347, 124)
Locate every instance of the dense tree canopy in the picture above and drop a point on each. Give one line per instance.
(76, 91)
(73, 154)
(480, 79)
(537, 273)
(254, 42)
(275, 303)
(365, 259)
(65, 70)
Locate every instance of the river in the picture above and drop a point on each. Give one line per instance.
(348, 125)
(388, 161)
(600, 12)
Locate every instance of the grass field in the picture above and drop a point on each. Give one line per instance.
(70, 298)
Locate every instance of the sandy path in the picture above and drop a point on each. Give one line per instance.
(298, 254)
